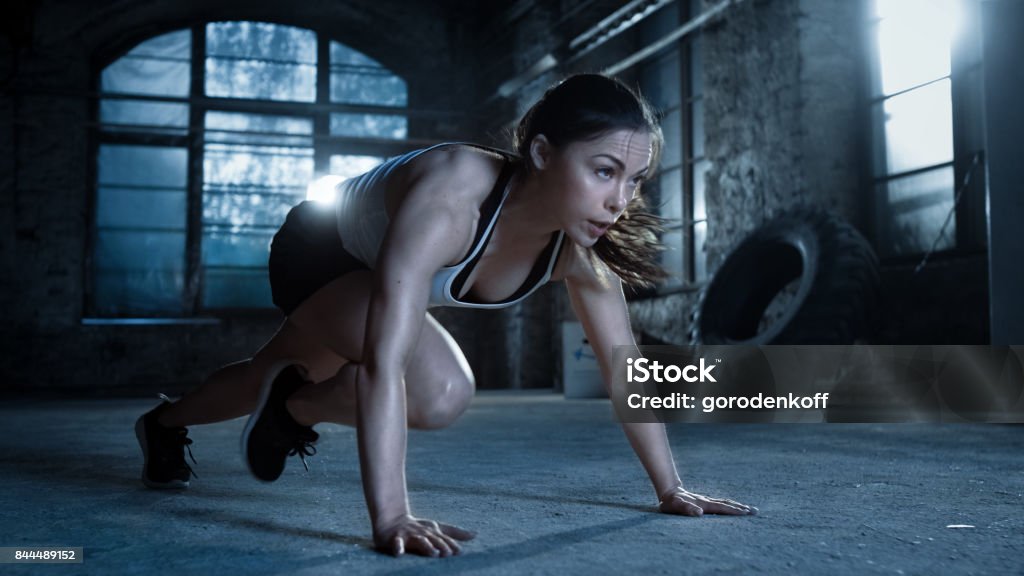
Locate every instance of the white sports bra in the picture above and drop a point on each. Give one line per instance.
(363, 221)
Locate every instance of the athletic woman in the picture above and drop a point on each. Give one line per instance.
(451, 225)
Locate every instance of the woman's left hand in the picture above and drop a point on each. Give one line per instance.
(686, 503)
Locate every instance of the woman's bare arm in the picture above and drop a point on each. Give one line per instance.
(427, 232)
(597, 298)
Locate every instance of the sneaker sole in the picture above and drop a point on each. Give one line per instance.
(268, 383)
(140, 434)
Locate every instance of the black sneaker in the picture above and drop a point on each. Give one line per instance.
(271, 435)
(163, 450)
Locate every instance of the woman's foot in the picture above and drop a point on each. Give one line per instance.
(163, 450)
(272, 435)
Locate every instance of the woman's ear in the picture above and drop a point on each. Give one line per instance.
(540, 152)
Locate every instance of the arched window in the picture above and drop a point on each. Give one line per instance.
(207, 137)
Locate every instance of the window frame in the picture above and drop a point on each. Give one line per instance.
(970, 217)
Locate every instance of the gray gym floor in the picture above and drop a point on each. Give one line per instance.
(549, 485)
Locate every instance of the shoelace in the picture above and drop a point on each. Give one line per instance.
(303, 448)
(186, 442)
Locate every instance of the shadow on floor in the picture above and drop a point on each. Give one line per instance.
(492, 492)
(269, 526)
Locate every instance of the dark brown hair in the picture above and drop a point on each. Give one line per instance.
(586, 106)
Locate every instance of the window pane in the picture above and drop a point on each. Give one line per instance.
(660, 81)
(140, 208)
(259, 60)
(700, 225)
(223, 247)
(359, 79)
(696, 67)
(914, 39)
(139, 258)
(672, 128)
(261, 41)
(672, 257)
(236, 288)
(144, 166)
(145, 116)
(251, 207)
(670, 197)
(918, 129)
(914, 210)
(139, 272)
(700, 235)
(699, 178)
(369, 125)
(159, 66)
(670, 205)
(258, 129)
(147, 253)
(348, 166)
(697, 117)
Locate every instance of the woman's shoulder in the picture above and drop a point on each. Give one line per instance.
(458, 175)
(462, 170)
(457, 160)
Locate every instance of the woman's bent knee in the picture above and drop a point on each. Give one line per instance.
(444, 409)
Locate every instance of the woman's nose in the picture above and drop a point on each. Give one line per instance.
(617, 201)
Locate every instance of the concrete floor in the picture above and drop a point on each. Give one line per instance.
(549, 485)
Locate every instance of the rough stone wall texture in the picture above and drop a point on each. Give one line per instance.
(752, 103)
(834, 117)
(45, 114)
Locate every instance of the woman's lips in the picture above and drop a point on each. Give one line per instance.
(597, 228)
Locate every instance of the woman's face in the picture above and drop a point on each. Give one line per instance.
(589, 183)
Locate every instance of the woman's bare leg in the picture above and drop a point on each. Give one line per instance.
(224, 395)
(232, 391)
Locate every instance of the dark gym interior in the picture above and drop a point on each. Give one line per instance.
(150, 149)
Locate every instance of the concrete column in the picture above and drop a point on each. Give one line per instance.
(1003, 42)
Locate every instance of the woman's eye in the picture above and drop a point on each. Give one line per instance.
(605, 172)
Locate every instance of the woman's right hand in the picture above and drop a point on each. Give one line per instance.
(420, 536)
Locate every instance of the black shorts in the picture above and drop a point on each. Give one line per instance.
(306, 254)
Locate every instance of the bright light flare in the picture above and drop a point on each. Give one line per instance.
(914, 40)
(323, 189)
